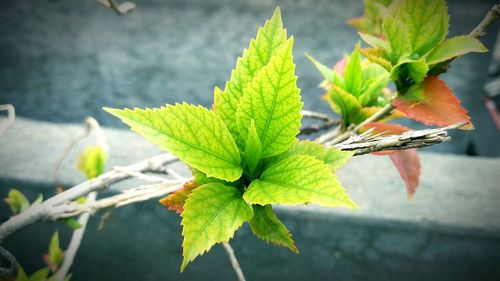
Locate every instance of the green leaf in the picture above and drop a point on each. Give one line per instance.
(369, 22)
(324, 70)
(353, 74)
(454, 47)
(253, 149)
(332, 157)
(201, 178)
(92, 161)
(194, 134)
(408, 67)
(269, 40)
(268, 227)
(298, 179)
(21, 274)
(272, 100)
(72, 223)
(38, 200)
(398, 38)
(371, 94)
(426, 22)
(40, 275)
(417, 70)
(212, 213)
(17, 201)
(374, 41)
(378, 56)
(343, 103)
(55, 254)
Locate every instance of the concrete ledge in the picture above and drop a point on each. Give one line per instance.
(450, 231)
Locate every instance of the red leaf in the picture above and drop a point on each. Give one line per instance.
(408, 164)
(432, 103)
(385, 129)
(175, 201)
(406, 161)
(340, 65)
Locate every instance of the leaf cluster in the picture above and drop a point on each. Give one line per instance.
(413, 42)
(53, 259)
(244, 153)
(355, 88)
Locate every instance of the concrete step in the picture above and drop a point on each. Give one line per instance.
(449, 231)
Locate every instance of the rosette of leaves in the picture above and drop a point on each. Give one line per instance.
(244, 152)
(414, 49)
(355, 88)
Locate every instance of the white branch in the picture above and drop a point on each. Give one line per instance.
(42, 211)
(234, 261)
(366, 143)
(138, 194)
(74, 244)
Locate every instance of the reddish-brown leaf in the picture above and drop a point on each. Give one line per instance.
(408, 164)
(406, 161)
(432, 102)
(175, 201)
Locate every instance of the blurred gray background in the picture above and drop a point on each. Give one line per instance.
(61, 61)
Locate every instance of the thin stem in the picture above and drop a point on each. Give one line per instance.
(382, 113)
(74, 244)
(234, 261)
(492, 15)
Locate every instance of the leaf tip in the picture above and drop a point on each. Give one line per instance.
(467, 126)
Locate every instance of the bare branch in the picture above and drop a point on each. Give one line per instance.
(11, 116)
(91, 126)
(234, 261)
(383, 112)
(319, 127)
(488, 20)
(316, 115)
(74, 244)
(364, 144)
(4, 271)
(327, 122)
(138, 194)
(42, 211)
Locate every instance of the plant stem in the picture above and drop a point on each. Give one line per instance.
(492, 15)
(74, 244)
(234, 261)
(384, 112)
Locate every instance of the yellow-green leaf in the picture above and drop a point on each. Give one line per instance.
(212, 213)
(17, 201)
(353, 74)
(272, 100)
(332, 157)
(454, 47)
(426, 22)
(298, 179)
(194, 134)
(268, 227)
(92, 161)
(398, 38)
(269, 40)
